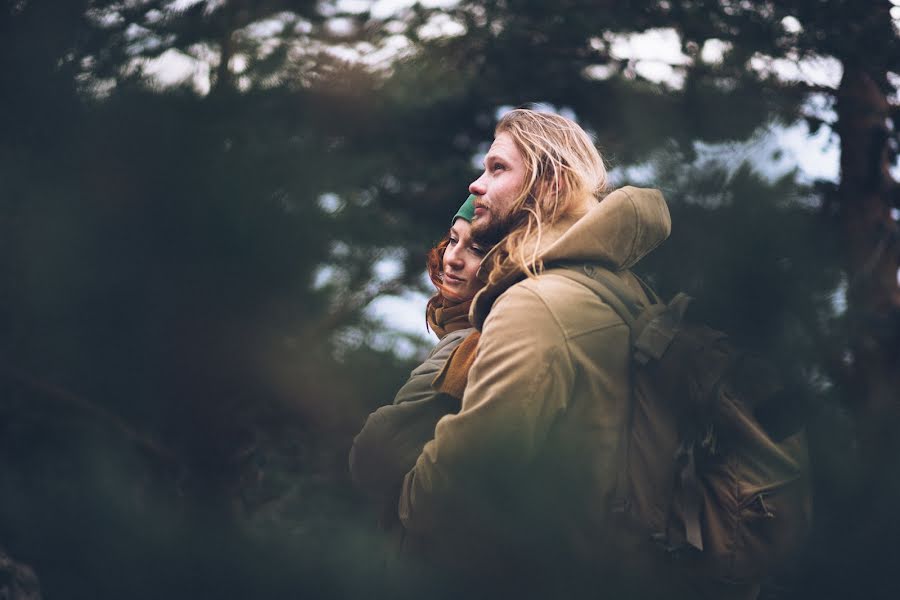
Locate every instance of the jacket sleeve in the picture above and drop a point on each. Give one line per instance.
(418, 386)
(393, 436)
(520, 381)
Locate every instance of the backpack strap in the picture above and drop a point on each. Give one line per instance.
(652, 328)
(651, 293)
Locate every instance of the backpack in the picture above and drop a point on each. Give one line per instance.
(699, 475)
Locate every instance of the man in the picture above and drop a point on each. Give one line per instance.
(518, 484)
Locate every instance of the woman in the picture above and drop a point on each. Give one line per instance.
(393, 436)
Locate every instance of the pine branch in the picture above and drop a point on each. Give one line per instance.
(357, 302)
(811, 88)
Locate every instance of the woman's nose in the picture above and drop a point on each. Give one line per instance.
(452, 257)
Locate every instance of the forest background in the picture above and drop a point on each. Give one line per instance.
(211, 212)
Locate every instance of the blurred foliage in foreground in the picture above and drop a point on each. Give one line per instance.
(185, 269)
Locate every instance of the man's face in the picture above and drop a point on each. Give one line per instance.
(496, 190)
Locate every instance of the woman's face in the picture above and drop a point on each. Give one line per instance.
(461, 261)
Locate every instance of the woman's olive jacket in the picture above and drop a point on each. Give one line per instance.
(391, 440)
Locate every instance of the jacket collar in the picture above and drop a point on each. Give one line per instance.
(615, 232)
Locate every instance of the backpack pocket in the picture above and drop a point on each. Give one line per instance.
(756, 510)
(773, 517)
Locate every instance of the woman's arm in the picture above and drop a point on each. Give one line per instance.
(394, 435)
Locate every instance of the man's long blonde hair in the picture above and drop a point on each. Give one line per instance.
(562, 168)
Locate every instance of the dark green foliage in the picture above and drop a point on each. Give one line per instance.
(184, 349)
(171, 374)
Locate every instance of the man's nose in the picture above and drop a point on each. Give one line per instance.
(477, 186)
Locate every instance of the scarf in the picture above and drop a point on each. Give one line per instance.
(451, 317)
(453, 377)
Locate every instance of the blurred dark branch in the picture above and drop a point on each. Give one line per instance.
(811, 88)
(115, 422)
(893, 193)
(347, 310)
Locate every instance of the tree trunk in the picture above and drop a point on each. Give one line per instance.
(872, 251)
(224, 81)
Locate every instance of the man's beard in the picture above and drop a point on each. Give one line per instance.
(487, 233)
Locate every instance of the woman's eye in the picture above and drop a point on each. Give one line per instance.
(478, 250)
(498, 167)
(453, 241)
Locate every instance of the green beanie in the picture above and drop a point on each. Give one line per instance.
(466, 211)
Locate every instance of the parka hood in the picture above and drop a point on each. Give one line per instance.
(615, 232)
(618, 231)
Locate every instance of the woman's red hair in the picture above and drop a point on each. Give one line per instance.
(434, 261)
